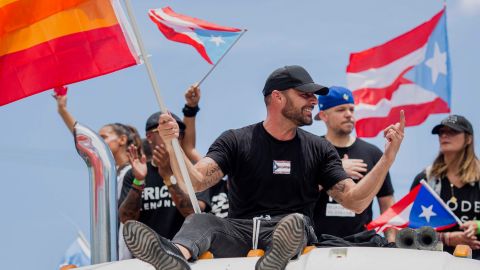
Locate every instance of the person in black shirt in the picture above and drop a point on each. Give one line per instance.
(148, 195)
(274, 169)
(358, 158)
(455, 176)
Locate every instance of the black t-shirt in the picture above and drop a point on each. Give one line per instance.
(158, 210)
(467, 206)
(331, 217)
(219, 199)
(272, 177)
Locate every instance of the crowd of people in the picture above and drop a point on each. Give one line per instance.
(272, 185)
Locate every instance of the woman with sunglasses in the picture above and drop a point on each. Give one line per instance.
(455, 176)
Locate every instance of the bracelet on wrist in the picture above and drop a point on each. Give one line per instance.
(138, 182)
(190, 111)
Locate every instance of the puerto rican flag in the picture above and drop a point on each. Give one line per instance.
(209, 39)
(410, 72)
(421, 207)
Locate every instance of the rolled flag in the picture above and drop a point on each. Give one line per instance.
(420, 207)
(61, 90)
(212, 41)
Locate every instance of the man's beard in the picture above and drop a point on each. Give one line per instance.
(344, 131)
(296, 115)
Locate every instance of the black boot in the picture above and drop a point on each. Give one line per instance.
(145, 244)
(288, 240)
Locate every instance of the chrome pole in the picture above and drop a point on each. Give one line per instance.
(103, 199)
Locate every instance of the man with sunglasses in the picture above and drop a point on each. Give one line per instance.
(150, 194)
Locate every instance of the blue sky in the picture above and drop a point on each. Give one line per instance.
(46, 183)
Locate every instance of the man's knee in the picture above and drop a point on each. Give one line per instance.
(199, 219)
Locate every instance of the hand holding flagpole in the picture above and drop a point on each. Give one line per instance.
(163, 108)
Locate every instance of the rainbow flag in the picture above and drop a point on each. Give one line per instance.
(50, 43)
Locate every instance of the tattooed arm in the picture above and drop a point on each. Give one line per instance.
(357, 197)
(130, 207)
(204, 174)
(179, 196)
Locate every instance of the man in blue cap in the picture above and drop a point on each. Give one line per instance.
(358, 158)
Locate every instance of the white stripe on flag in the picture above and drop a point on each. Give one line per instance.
(178, 28)
(386, 75)
(174, 20)
(407, 94)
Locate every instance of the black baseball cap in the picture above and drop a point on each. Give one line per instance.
(292, 77)
(152, 122)
(455, 122)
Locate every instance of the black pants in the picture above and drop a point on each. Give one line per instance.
(227, 237)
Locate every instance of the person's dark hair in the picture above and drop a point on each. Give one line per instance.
(130, 132)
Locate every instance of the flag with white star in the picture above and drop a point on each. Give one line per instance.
(421, 207)
(210, 40)
(410, 72)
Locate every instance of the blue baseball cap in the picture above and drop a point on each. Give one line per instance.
(336, 96)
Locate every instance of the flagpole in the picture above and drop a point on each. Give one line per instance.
(163, 108)
(221, 57)
(427, 186)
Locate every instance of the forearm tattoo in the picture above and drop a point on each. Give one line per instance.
(337, 191)
(181, 199)
(130, 208)
(212, 173)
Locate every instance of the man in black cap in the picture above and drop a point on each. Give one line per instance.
(148, 194)
(275, 169)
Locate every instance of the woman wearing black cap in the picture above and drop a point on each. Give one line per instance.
(455, 176)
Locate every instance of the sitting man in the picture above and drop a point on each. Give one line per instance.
(274, 169)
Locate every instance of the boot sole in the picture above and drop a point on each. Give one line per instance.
(145, 245)
(287, 241)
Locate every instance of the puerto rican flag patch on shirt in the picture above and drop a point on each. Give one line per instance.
(281, 166)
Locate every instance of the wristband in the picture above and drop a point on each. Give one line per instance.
(190, 111)
(478, 226)
(138, 182)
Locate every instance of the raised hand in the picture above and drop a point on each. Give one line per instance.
(394, 136)
(61, 102)
(162, 160)
(168, 128)
(192, 95)
(139, 164)
(354, 167)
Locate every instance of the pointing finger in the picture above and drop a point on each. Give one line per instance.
(402, 120)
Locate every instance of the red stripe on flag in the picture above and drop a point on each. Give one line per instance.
(374, 95)
(203, 24)
(415, 114)
(62, 61)
(394, 49)
(171, 34)
(396, 209)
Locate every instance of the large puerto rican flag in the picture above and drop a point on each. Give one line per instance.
(209, 39)
(410, 72)
(420, 207)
